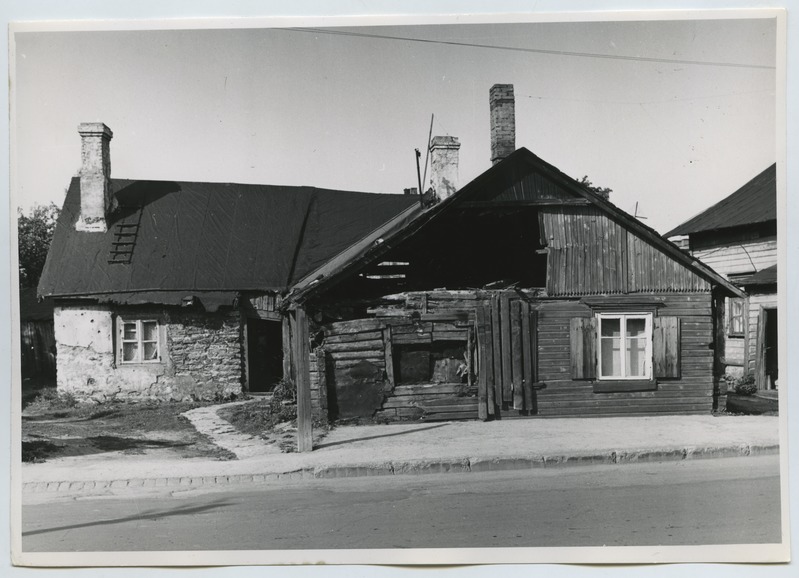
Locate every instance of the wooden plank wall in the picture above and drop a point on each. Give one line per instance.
(549, 390)
(591, 254)
(350, 343)
(691, 393)
(738, 257)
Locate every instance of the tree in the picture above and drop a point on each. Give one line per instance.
(35, 231)
(603, 192)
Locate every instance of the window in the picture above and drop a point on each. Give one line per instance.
(625, 345)
(138, 341)
(735, 321)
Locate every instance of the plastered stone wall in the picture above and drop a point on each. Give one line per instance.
(201, 355)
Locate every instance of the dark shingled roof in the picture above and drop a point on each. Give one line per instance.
(755, 202)
(211, 237)
(767, 276)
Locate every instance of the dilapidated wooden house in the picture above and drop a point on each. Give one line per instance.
(520, 293)
(738, 238)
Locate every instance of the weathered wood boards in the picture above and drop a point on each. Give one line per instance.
(302, 353)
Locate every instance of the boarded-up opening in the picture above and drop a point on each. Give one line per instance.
(434, 362)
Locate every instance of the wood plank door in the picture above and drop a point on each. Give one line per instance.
(507, 344)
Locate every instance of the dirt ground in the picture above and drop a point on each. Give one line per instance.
(58, 427)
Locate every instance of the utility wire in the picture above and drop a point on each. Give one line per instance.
(533, 50)
(665, 101)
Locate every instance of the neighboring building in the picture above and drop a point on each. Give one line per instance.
(738, 238)
(521, 293)
(171, 290)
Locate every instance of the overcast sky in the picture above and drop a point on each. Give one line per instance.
(346, 111)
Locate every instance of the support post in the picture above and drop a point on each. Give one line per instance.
(302, 354)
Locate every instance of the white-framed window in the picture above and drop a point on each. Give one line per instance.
(625, 345)
(138, 341)
(736, 318)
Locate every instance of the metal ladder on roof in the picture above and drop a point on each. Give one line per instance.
(125, 237)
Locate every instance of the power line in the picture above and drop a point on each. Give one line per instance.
(664, 101)
(533, 50)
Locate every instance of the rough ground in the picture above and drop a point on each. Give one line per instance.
(50, 432)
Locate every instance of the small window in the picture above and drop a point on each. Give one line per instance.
(735, 321)
(138, 341)
(625, 346)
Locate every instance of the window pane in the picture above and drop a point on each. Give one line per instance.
(611, 355)
(611, 327)
(150, 351)
(128, 331)
(636, 327)
(636, 357)
(130, 351)
(149, 330)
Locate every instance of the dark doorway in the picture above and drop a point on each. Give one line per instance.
(770, 348)
(264, 354)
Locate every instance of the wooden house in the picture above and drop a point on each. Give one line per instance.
(522, 293)
(738, 238)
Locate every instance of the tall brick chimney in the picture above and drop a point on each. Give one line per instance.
(96, 200)
(444, 165)
(503, 121)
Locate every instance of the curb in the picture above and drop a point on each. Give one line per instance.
(416, 467)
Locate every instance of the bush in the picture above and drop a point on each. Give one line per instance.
(283, 406)
(745, 385)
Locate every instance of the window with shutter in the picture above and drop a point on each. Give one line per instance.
(624, 346)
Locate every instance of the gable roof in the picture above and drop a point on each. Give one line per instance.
(196, 237)
(755, 202)
(393, 232)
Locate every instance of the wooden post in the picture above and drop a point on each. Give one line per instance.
(760, 354)
(302, 353)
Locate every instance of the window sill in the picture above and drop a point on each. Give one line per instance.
(609, 386)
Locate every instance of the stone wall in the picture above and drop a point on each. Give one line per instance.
(200, 355)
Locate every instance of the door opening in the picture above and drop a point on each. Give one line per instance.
(770, 348)
(264, 354)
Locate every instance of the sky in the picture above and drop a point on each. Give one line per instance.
(344, 108)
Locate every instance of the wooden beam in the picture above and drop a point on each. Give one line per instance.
(507, 359)
(516, 354)
(496, 341)
(302, 360)
(482, 409)
(527, 382)
(387, 345)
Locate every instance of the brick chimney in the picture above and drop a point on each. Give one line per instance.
(503, 121)
(444, 165)
(96, 200)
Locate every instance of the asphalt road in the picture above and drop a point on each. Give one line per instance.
(716, 501)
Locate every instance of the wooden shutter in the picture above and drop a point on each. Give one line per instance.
(666, 346)
(582, 337)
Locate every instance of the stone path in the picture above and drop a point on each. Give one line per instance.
(206, 421)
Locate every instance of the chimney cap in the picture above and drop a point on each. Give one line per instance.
(445, 142)
(93, 128)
